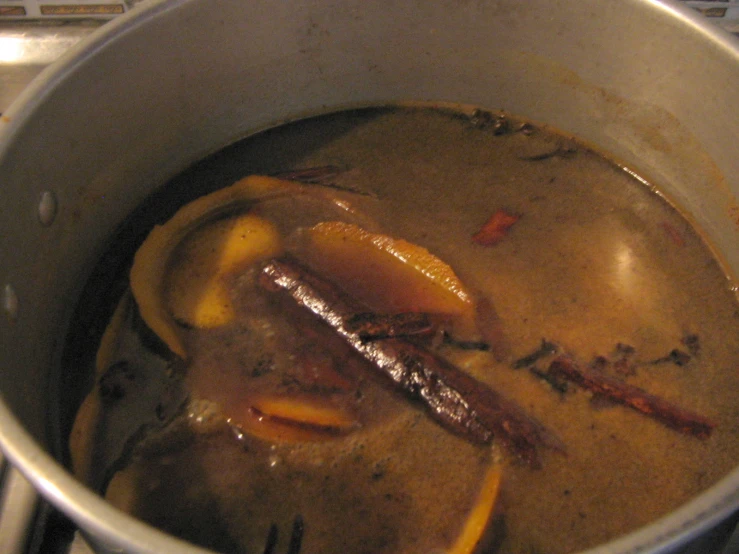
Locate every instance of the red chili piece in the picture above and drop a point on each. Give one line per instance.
(495, 229)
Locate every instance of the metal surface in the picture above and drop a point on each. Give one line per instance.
(135, 104)
(10, 302)
(724, 13)
(18, 501)
(65, 9)
(47, 207)
(27, 47)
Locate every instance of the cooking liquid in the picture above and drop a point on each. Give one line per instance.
(596, 260)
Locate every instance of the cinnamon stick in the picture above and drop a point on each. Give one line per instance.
(373, 326)
(671, 415)
(453, 398)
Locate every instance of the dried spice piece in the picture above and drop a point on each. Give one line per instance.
(675, 417)
(675, 356)
(116, 381)
(495, 229)
(678, 357)
(465, 344)
(545, 349)
(692, 343)
(599, 363)
(623, 364)
(625, 349)
(619, 360)
(557, 383)
(372, 326)
(453, 398)
(624, 367)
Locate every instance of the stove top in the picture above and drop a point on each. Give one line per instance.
(35, 33)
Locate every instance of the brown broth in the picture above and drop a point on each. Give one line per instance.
(596, 259)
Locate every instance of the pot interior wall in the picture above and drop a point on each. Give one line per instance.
(175, 81)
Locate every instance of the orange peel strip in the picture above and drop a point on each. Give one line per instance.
(474, 528)
(151, 261)
(294, 419)
(195, 290)
(390, 275)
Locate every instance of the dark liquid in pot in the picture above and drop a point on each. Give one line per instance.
(597, 263)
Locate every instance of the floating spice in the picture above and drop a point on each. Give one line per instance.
(546, 348)
(495, 229)
(692, 343)
(675, 417)
(557, 383)
(465, 344)
(373, 326)
(116, 381)
(624, 367)
(453, 398)
(675, 356)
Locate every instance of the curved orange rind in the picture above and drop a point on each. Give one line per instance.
(305, 418)
(479, 519)
(389, 275)
(153, 259)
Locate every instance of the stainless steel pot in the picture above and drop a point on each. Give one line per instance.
(646, 81)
